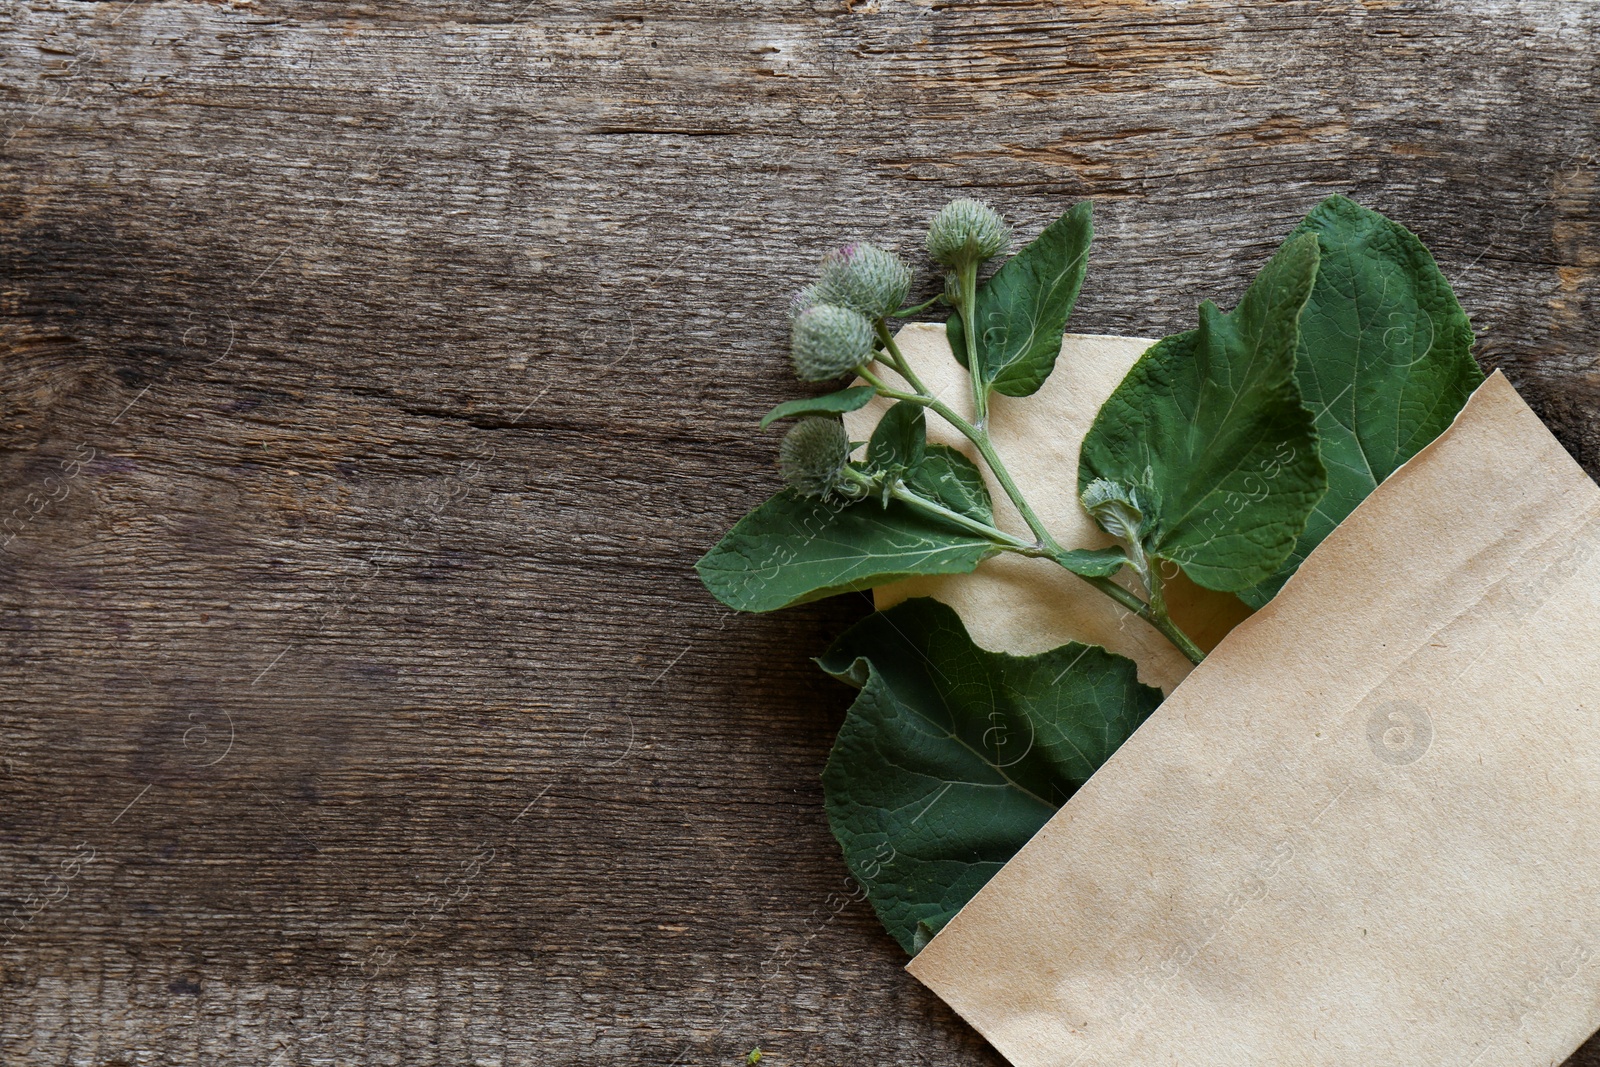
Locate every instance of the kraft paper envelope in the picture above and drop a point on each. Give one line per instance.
(1366, 831)
(1030, 605)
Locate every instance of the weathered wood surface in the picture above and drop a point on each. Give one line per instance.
(373, 374)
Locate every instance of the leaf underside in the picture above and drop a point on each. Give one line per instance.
(952, 756)
(1210, 427)
(1093, 562)
(838, 403)
(1384, 361)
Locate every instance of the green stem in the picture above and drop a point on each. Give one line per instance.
(932, 507)
(905, 313)
(1170, 631)
(969, 305)
(980, 440)
(1162, 621)
(898, 361)
(1152, 582)
(1122, 596)
(983, 529)
(885, 389)
(1149, 613)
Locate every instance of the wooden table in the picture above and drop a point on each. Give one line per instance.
(374, 373)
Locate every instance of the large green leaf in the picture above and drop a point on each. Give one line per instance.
(1022, 311)
(952, 756)
(844, 400)
(1385, 361)
(1210, 433)
(794, 549)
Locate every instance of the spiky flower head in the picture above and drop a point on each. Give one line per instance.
(865, 277)
(813, 455)
(967, 231)
(803, 301)
(828, 341)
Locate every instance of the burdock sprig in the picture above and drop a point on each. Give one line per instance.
(963, 236)
(1207, 461)
(840, 326)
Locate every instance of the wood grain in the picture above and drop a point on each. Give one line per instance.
(374, 373)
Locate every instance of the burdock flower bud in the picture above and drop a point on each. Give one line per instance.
(952, 291)
(965, 232)
(812, 456)
(829, 341)
(865, 277)
(803, 301)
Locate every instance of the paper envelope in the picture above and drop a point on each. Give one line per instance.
(1366, 831)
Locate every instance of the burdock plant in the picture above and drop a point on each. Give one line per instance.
(1207, 460)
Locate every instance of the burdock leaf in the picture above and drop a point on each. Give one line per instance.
(1021, 313)
(795, 549)
(830, 404)
(900, 439)
(1384, 361)
(1209, 432)
(953, 480)
(952, 756)
(1093, 562)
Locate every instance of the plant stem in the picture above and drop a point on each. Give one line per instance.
(980, 440)
(918, 309)
(1169, 629)
(983, 529)
(932, 507)
(886, 390)
(1191, 651)
(969, 304)
(898, 361)
(1159, 617)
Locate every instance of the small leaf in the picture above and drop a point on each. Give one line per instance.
(1021, 313)
(953, 480)
(1093, 562)
(1209, 430)
(1384, 362)
(795, 549)
(955, 335)
(831, 404)
(900, 439)
(952, 756)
